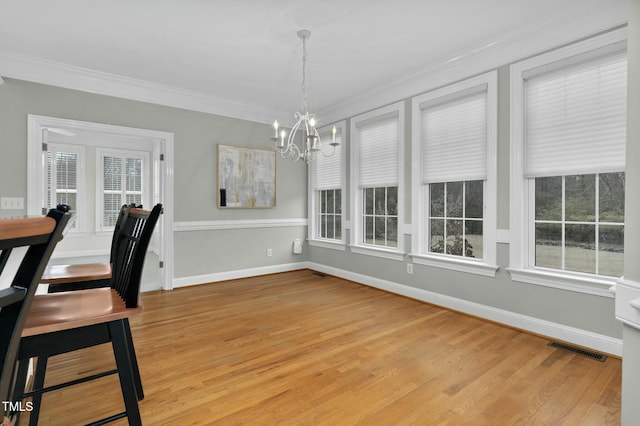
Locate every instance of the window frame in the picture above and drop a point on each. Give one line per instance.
(356, 193)
(487, 266)
(124, 154)
(522, 210)
(313, 208)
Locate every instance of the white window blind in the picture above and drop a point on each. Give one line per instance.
(123, 182)
(575, 118)
(379, 152)
(454, 138)
(328, 170)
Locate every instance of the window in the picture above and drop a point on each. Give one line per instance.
(122, 180)
(579, 223)
(568, 163)
(330, 214)
(326, 176)
(381, 216)
(377, 159)
(454, 132)
(455, 218)
(64, 179)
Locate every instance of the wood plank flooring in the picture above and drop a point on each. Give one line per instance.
(302, 349)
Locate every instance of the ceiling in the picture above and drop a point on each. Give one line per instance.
(244, 57)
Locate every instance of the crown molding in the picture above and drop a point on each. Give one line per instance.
(37, 70)
(522, 43)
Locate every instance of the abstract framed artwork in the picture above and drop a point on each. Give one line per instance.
(246, 177)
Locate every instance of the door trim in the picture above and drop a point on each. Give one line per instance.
(162, 144)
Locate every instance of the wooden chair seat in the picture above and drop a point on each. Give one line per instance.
(68, 310)
(62, 274)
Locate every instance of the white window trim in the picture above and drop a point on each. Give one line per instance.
(146, 176)
(80, 219)
(520, 268)
(488, 265)
(312, 230)
(396, 253)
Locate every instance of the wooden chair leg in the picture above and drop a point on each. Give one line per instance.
(125, 372)
(134, 360)
(38, 383)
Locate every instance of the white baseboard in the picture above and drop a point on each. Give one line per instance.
(576, 336)
(241, 273)
(550, 329)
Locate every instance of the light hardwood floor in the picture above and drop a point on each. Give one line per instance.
(302, 349)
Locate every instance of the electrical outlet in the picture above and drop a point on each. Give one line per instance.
(269, 252)
(409, 268)
(10, 203)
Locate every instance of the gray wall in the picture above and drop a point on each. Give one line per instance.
(196, 136)
(583, 311)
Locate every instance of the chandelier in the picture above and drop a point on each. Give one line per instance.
(310, 143)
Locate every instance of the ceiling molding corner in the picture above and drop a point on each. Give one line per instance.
(37, 70)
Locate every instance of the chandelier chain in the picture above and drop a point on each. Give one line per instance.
(304, 75)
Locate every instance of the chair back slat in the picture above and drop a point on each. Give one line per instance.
(131, 249)
(40, 235)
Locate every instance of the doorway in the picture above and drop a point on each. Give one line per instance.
(95, 168)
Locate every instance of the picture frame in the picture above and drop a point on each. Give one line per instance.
(246, 177)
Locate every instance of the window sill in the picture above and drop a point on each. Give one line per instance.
(597, 286)
(454, 264)
(329, 244)
(378, 252)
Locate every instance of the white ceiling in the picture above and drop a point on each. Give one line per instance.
(245, 55)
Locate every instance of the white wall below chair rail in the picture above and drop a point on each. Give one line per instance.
(211, 225)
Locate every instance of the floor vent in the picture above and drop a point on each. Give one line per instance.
(320, 274)
(583, 352)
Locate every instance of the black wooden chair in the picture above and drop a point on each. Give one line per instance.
(86, 275)
(68, 321)
(40, 235)
(91, 275)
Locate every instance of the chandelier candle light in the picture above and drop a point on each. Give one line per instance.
(305, 122)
